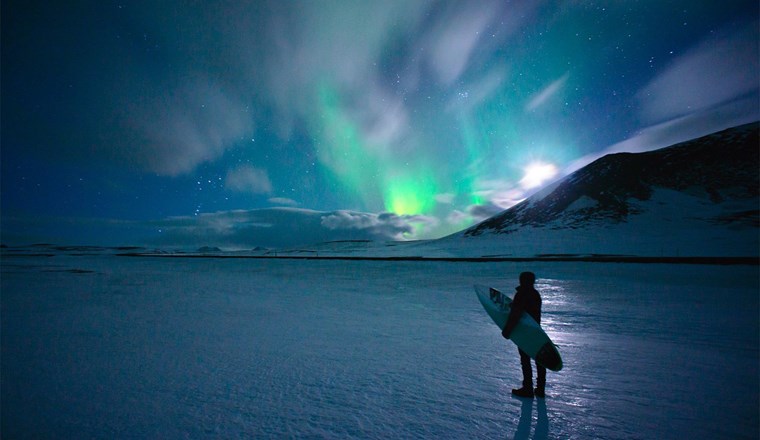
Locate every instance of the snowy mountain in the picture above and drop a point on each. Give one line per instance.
(696, 198)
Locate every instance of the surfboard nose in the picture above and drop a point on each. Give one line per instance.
(548, 356)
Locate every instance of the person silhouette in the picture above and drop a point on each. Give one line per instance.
(528, 300)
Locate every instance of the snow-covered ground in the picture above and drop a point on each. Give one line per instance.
(101, 346)
(664, 226)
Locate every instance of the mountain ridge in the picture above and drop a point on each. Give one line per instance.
(720, 167)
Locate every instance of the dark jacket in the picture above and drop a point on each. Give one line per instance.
(528, 300)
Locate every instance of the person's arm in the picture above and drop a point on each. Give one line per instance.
(516, 310)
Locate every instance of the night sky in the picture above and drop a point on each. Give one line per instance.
(279, 123)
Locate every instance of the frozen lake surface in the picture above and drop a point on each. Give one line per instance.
(115, 347)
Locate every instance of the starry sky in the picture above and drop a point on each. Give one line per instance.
(282, 123)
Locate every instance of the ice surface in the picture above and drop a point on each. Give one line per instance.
(99, 346)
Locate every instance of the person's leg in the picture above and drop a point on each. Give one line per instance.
(540, 380)
(540, 376)
(527, 370)
(527, 388)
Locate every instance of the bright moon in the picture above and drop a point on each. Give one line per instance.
(537, 173)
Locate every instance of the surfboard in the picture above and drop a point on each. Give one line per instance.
(527, 335)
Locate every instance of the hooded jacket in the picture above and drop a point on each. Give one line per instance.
(528, 300)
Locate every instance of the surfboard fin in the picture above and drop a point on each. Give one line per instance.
(548, 356)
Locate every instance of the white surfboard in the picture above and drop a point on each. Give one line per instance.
(528, 334)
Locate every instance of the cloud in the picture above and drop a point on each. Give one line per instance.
(284, 227)
(387, 225)
(478, 91)
(351, 220)
(679, 129)
(457, 217)
(166, 100)
(301, 52)
(483, 211)
(382, 116)
(184, 127)
(146, 97)
(544, 95)
(246, 178)
(283, 201)
(720, 69)
(446, 198)
(501, 193)
(711, 87)
(454, 37)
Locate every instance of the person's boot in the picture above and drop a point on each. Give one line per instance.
(523, 392)
(539, 392)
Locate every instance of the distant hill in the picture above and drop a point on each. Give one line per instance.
(696, 198)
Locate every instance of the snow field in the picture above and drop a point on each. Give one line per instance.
(116, 347)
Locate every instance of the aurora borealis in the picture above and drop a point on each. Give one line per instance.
(187, 123)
